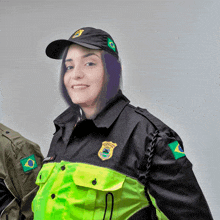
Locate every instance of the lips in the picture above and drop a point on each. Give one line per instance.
(79, 86)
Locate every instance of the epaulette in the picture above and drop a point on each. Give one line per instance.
(157, 123)
(12, 135)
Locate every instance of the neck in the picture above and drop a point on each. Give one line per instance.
(92, 110)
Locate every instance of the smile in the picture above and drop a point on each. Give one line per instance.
(80, 86)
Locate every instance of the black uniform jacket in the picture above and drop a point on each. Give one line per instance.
(171, 180)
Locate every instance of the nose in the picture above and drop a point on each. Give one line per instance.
(77, 73)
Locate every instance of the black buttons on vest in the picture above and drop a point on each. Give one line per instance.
(63, 167)
(94, 182)
(53, 196)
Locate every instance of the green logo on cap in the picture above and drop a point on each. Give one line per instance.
(111, 44)
(28, 163)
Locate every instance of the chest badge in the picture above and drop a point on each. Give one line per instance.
(106, 151)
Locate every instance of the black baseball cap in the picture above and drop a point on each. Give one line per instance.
(88, 37)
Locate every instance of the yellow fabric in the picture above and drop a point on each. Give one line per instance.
(79, 192)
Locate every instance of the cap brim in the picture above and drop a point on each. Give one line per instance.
(56, 48)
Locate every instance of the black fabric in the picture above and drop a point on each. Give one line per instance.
(171, 182)
(143, 214)
(22, 217)
(5, 196)
(90, 38)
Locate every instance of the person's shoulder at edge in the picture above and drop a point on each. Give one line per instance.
(13, 136)
(20, 158)
(17, 140)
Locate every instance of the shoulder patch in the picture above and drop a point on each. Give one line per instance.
(111, 44)
(176, 150)
(28, 163)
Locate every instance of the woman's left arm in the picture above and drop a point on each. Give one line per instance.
(173, 186)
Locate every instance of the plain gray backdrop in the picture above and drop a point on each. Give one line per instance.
(170, 52)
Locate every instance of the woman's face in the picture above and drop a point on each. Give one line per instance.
(85, 76)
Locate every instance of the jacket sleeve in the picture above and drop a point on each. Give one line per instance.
(173, 187)
(24, 180)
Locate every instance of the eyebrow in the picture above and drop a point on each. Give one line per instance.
(84, 56)
(68, 60)
(90, 54)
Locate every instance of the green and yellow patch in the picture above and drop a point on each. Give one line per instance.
(111, 44)
(28, 163)
(176, 150)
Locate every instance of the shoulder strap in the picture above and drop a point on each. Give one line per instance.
(158, 124)
(10, 134)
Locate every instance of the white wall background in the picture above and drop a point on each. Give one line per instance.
(170, 51)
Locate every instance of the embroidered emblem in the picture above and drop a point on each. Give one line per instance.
(106, 151)
(111, 44)
(78, 33)
(176, 150)
(28, 163)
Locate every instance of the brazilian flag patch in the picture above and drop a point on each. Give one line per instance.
(111, 44)
(176, 150)
(28, 163)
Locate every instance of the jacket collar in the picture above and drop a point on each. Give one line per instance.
(111, 111)
(103, 120)
(70, 114)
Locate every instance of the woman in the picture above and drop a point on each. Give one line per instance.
(109, 159)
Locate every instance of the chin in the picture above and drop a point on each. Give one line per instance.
(82, 101)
